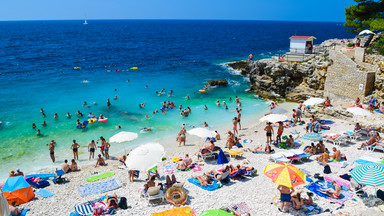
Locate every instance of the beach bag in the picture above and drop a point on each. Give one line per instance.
(99, 208)
(380, 194)
(123, 203)
(325, 127)
(327, 169)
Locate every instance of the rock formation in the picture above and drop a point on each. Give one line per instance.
(222, 82)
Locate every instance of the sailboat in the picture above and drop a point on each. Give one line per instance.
(85, 22)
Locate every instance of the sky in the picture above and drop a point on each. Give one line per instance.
(287, 10)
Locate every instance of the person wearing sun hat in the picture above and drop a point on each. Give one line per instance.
(12, 173)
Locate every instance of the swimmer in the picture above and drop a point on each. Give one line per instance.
(85, 104)
(115, 98)
(41, 110)
(44, 123)
(187, 97)
(223, 103)
(158, 93)
(118, 126)
(170, 93)
(146, 86)
(142, 105)
(127, 80)
(56, 116)
(226, 107)
(33, 125)
(43, 115)
(237, 99)
(115, 89)
(108, 103)
(78, 122)
(162, 90)
(68, 115)
(94, 103)
(180, 107)
(146, 129)
(146, 116)
(101, 116)
(163, 112)
(205, 124)
(85, 80)
(205, 107)
(217, 103)
(38, 133)
(230, 98)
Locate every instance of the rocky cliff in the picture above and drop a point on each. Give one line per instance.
(294, 81)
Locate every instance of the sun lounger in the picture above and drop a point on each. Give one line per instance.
(206, 156)
(239, 173)
(279, 158)
(58, 179)
(233, 153)
(154, 193)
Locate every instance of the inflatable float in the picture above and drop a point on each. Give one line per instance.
(76, 68)
(91, 116)
(134, 68)
(176, 195)
(103, 120)
(81, 127)
(202, 91)
(92, 120)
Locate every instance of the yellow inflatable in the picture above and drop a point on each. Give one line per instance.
(176, 159)
(176, 195)
(92, 120)
(134, 68)
(202, 91)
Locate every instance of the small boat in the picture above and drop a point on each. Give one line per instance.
(85, 22)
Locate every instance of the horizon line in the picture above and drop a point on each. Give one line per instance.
(175, 19)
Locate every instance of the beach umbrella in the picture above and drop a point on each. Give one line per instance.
(371, 174)
(202, 132)
(123, 137)
(312, 136)
(313, 101)
(359, 111)
(278, 110)
(215, 212)
(285, 174)
(366, 31)
(145, 156)
(222, 159)
(274, 118)
(4, 206)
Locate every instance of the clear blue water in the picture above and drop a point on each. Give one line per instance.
(37, 60)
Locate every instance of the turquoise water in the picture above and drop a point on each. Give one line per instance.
(37, 61)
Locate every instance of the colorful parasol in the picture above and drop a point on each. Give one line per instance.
(285, 174)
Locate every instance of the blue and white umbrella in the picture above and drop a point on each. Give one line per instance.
(312, 136)
(371, 174)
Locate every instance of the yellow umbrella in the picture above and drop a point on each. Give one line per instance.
(285, 174)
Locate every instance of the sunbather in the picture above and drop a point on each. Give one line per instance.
(244, 167)
(112, 202)
(181, 165)
(170, 181)
(202, 180)
(310, 149)
(336, 155)
(14, 210)
(123, 159)
(214, 175)
(73, 165)
(211, 145)
(260, 148)
(326, 103)
(290, 141)
(323, 157)
(100, 161)
(357, 127)
(320, 147)
(297, 202)
(65, 166)
(334, 193)
(309, 201)
(150, 183)
(369, 143)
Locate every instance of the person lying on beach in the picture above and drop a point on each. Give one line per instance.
(336, 155)
(334, 193)
(238, 167)
(65, 166)
(323, 157)
(214, 175)
(100, 161)
(369, 143)
(150, 183)
(309, 201)
(203, 180)
(310, 149)
(170, 181)
(326, 103)
(297, 201)
(357, 127)
(14, 210)
(260, 148)
(73, 166)
(112, 201)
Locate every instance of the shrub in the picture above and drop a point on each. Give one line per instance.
(350, 45)
(377, 46)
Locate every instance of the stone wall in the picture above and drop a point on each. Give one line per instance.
(345, 80)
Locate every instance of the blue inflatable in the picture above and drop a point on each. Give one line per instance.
(81, 127)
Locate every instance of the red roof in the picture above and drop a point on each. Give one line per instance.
(302, 37)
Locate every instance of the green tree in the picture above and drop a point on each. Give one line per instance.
(366, 14)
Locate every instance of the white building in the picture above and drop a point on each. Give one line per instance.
(301, 44)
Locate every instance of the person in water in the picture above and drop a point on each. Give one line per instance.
(115, 98)
(43, 115)
(108, 103)
(44, 123)
(91, 149)
(205, 107)
(187, 97)
(41, 110)
(75, 148)
(68, 115)
(33, 125)
(38, 133)
(85, 104)
(56, 116)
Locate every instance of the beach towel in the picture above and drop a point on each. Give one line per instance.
(182, 211)
(368, 158)
(361, 161)
(44, 193)
(100, 187)
(169, 169)
(241, 208)
(197, 168)
(215, 185)
(247, 141)
(340, 181)
(84, 209)
(320, 184)
(184, 170)
(338, 164)
(99, 177)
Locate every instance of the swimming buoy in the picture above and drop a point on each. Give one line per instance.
(76, 68)
(202, 91)
(103, 120)
(176, 195)
(134, 68)
(174, 160)
(92, 120)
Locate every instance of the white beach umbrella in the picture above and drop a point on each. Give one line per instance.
(278, 110)
(366, 31)
(145, 156)
(359, 111)
(273, 118)
(313, 101)
(4, 207)
(123, 137)
(202, 132)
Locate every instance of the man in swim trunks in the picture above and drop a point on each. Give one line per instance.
(269, 130)
(51, 147)
(106, 149)
(108, 103)
(75, 147)
(239, 116)
(234, 121)
(100, 161)
(285, 196)
(334, 193)
(91, 149)
(336, 155)
(65, 166)
(280, 131)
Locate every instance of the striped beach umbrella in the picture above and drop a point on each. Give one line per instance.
(312, 136)
(369, 174)
(285, 174)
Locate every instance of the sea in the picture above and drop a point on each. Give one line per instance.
(38, 66)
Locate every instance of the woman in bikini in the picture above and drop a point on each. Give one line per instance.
(297, 201)
(202, 180)
(234, 121)
(112, 202)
